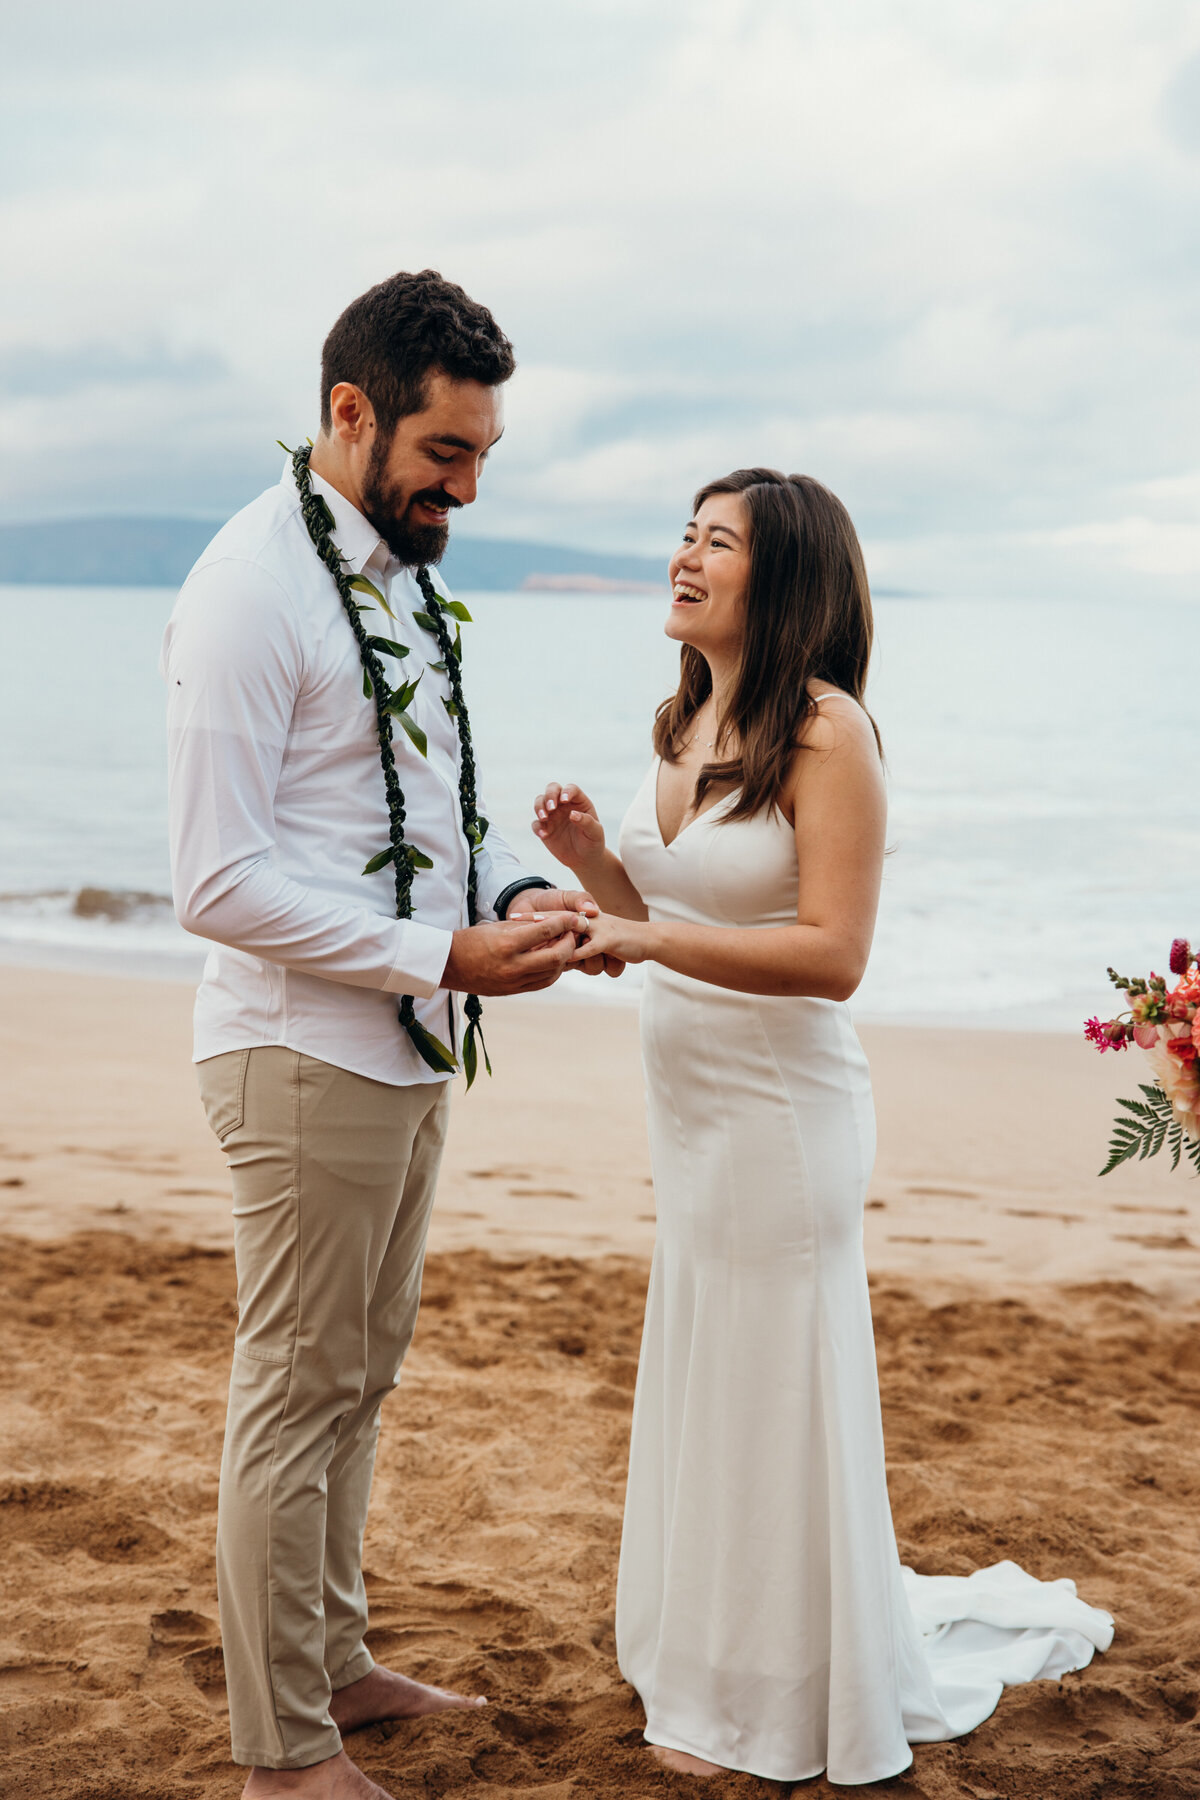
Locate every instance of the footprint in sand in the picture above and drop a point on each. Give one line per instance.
(207, 1669)
(524, 1193)
(175, 1631)
(1156, 1241)
(1033, 1212)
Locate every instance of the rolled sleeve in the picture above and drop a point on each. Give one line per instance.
(422, 961)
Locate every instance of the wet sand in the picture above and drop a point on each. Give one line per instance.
(1039, 1344)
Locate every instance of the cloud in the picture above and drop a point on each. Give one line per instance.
(945, 258)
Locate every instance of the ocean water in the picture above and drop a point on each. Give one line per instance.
(1042, 761)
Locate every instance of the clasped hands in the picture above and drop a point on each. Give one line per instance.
(546, 931)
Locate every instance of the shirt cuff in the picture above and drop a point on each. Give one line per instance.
(424, 953)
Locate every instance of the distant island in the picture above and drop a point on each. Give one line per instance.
(158, 552)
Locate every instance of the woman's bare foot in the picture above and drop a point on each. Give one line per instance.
(384, 1695)
(683, 1763)
(336, 1778)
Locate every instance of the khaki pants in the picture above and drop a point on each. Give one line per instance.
(333, 1183)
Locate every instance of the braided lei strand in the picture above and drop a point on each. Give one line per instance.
(393, 703)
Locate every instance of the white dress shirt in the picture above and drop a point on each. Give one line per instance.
(277, 799)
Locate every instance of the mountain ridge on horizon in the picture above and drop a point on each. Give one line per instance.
(158, 551)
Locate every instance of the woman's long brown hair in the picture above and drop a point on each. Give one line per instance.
(808, 618)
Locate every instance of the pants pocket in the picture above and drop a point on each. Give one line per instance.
(223, 1091)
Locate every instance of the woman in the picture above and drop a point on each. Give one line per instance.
(762, 1613)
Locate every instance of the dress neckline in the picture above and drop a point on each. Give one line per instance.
(669, 843)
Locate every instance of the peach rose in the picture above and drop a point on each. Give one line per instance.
(1179, 1083)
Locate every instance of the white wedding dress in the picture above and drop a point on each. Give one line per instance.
(762, 1612)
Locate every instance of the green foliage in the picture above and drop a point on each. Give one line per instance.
(1150, 1127)
(389, 646)
(432, 1050)
(381, 861)
(419, 741)
(361, 585)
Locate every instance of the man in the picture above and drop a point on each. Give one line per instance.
(331, 1116)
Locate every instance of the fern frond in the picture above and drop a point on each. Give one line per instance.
(1143, 1131)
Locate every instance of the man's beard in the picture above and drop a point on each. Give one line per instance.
(412, 545)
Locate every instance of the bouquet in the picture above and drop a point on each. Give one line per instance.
(1164, 1022)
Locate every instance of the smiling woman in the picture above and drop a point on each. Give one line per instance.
(762, 1613)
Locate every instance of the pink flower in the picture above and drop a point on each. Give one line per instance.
(1181, 956)
(1113, 1036)
(1145, 1036)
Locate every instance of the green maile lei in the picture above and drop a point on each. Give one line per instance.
(393, 704)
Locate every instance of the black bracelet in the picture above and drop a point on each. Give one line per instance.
(505, 900)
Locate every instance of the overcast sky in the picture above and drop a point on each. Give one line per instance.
(942, 254)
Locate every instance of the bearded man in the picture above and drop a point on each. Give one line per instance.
(326, 1025)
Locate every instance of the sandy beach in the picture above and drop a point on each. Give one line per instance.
(1039, 1345)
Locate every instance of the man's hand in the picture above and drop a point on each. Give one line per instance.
(514, 957)
(575, 900)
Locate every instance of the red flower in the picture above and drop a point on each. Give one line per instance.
(1183, 1048)
(1113, 1036)
(1181, 956)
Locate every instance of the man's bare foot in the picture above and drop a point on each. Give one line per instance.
(385, 1695)
(683, 1763)
(336, 1778)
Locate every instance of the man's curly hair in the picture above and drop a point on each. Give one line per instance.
(392, 338)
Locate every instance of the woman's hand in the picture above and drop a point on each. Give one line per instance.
(568, 825)
(611, 936)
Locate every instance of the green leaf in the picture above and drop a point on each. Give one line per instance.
(456, 646)
(450, 707)
(414, 731)
(368, 690)
(361, 585)
(323, 513)
(402, 699)
(284, 446)
(432, 1050)
(418, 858)
(471, 1055)
(389, 646)
(459, 610)
(439, 668)
(425, 622)
(1149, 1126)
(381, 861)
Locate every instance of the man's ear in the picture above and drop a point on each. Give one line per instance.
(352, 417)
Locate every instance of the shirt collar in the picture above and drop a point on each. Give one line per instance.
(354, 535)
